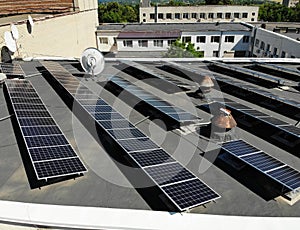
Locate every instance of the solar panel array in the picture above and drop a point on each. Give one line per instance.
(50, 152)
(270, 166)
(164, 107)
(183, 188)
(256, 74)
(265, 118)
(11, 69)
(155, 74)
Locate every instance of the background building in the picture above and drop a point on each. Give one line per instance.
(212, 39)
(290, 3)
(65, 28)
(203, 13)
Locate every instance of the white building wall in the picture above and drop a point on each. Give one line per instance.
(135, 46)
(251, 11)
(283, 43)
(63, 36)
(111, 38)
(208, 47)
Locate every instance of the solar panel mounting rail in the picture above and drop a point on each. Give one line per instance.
(50, 152)
(181, 186)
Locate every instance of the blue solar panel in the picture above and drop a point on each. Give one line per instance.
(270, 166)
(50, 153)
(143, 151)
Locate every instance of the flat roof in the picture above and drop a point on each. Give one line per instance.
(183, 27)
(110, 183)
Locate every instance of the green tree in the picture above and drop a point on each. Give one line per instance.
(180, 49)
(116, 12)
(275, 12)
(219, 2)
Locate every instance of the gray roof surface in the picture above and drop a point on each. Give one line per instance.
(109, 184)
(189, 27)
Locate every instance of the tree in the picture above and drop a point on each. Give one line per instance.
(275, 12)
(116, 12)
(219, 2)
(180, 49)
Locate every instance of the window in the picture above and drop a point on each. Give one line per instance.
(227, 15)
(168, 16)
(160, 16)
(210, 15)
(256, 42)
(185, 15)
(252, 19)
(215, 53)
(262, 45)
(170, 42)
(215, 39)
(127, 43)
(275, 51)
(253, 13)
(158, 43)
(144, 15)
(143, 43)
(283, 54)
(236, 15)
(245, 15)
(152, 16)
(194, 15)
(268, 47)
(246, 39)
(201, 39)
(186, 39)
(103, 40)
(229, 39)
(219, 15)
(144, 20)
(177, 15)
(202, 15)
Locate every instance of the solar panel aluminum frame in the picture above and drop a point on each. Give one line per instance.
(27, 147)
(264, 172)
(128, 153)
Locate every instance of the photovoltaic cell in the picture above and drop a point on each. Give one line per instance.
(137, 144)
(126, 133)
(168, 173)
(11, 69)
(273, 121)
(190, 193)
(50, 153)
(153, 157)
(291, 129)
(270, 166)
(36, 121)
(239, 148)
(255, 113)
(142, 150)
(40, 130)
(47, 169)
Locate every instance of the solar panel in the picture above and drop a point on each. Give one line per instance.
(153, 101)
(189, 193)
(11, 69)
(126, 133)
(168, 173)
(273, 121)
(291, 129)
(50, 153)
(265, 163)
(142, 149)
(153, 157)
(255, 113)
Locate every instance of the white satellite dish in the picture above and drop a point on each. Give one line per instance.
(10, 42)
(30, 20)
(14, 31)
(92, 61)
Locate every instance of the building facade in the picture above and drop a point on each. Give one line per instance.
(203, 13)
(290, 3)
(64, 34)
(211, 39)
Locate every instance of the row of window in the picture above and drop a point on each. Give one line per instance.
(267, 48)
(227, 15)
(214, 39)
(144, 43)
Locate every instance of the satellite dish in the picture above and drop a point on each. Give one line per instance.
(92, 61)
(5, 55)
(14, 31)
(10, 42)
